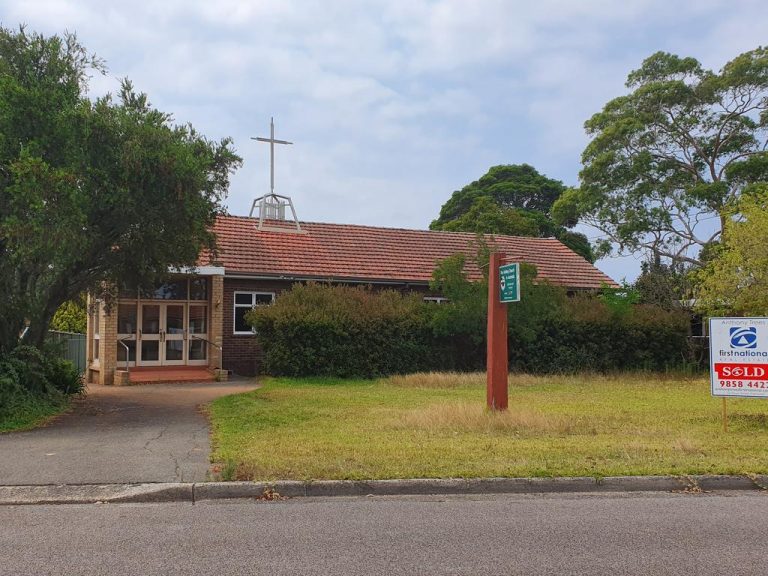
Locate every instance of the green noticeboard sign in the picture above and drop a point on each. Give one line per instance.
(509, 281)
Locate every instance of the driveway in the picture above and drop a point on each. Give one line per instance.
(149, 433)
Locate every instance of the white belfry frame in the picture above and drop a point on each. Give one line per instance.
(273, 201)
(263, 202)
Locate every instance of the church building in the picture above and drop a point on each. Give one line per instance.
(193, 327)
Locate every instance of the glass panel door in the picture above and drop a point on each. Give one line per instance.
(197, 348)
(150, 335)
(173, 334)
(127, 314)
(169, 334)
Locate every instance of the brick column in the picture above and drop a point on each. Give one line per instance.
(216, 331)
(108, 353)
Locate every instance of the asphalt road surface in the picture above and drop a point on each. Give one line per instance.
(641, 533)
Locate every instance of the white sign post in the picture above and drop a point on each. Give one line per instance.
(738, 358)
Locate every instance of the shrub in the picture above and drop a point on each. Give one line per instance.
(343, 331)
(34, 384)
(71, 316)
(589, 333)
(346, 331)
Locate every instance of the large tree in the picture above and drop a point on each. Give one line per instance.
(510, 199)
(736, 279)
(92, 193)
(668, 159)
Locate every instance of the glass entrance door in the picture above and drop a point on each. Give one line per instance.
(173, 334)
(149, 335)
(197, 349)
(162, 335)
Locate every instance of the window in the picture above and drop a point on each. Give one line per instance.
(246, 301)
(198, 289)
(177, 290)
(435, 300)
(194, 288)
(126, 318)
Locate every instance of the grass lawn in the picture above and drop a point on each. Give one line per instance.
(428, 426)
(30, 413)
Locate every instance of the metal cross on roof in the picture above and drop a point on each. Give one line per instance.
(272, 143)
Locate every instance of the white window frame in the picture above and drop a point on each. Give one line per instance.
(252, 305)
(435, 299)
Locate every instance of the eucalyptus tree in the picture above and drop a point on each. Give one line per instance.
(668, 160)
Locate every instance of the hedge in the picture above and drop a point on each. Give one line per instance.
(341, 331)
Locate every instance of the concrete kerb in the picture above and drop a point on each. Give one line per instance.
(194, 492)
(96, 493)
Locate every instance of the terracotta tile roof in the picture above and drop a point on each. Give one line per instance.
(367, 253)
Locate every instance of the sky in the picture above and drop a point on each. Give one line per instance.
(391, 104)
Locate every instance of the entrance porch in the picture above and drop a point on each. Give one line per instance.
(171, 333)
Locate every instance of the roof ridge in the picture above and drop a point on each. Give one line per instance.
(457, 234)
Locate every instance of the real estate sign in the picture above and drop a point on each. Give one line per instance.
(738, 356)
(509, 283)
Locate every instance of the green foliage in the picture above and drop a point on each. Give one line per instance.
(511, 186)
(466, 300)
(71, 316)
(323, 330)
(589, 335)
(735, 281)
(619, 300)
(666, 285)
(461, 320)
(345, 331)
(34, 385)
(486, 217)
(512, 199)
(552, 332)
(674, 153)
(91, 191)
(25, 411)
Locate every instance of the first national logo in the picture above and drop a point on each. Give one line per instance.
(742, 337)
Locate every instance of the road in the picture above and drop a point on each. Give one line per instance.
(616, 534)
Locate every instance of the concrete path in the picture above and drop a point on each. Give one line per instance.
(150, 433)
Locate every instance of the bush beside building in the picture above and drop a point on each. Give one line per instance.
(342, 331)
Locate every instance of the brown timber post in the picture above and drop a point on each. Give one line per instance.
(497, 361)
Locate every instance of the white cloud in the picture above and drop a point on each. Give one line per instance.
(393, 104)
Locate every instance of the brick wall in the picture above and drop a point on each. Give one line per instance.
(216, 307)
(241, 351)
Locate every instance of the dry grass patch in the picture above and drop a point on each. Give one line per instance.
(686, 446)
(436, 380)
(474, 417)
(455, 380)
